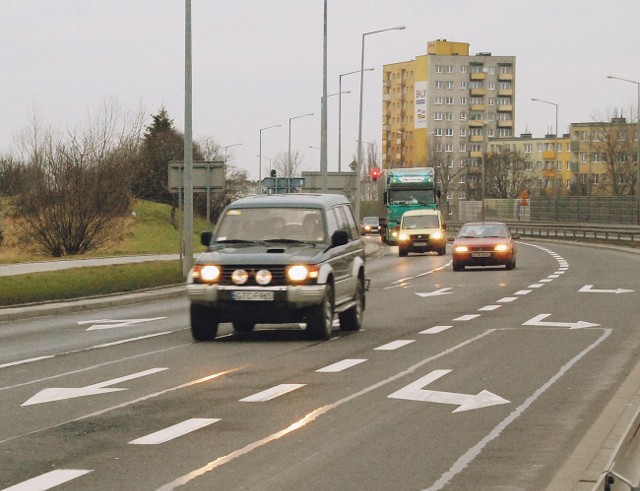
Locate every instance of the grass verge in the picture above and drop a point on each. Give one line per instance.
(86, 282)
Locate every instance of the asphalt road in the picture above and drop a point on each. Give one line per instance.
(484, 379)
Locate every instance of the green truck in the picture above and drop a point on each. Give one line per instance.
(409, 188)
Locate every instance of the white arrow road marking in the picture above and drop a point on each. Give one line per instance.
(341, 365)
(441, 291)
(112, 323)
(537, 321)
(174, 431)
(272, 393)
(48, 480)
(465, 402)
(590, 289)
(61, 393)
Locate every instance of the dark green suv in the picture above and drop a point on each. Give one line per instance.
(275, 259)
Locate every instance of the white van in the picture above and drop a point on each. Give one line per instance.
(422, 231)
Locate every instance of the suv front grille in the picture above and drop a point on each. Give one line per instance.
(277, 272)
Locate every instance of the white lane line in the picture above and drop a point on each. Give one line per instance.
(467, 317)
(522, 292)
(174, 431)
(546, 280)
(272, 393)
(490, 307)
(342, 365)
(394, 345)
(536, 285)
(553, 276)
(508, 299)
(49, 480)
(435, 329)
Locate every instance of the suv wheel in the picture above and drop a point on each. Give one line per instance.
(204, 323)
(351, 319)
(320, 318)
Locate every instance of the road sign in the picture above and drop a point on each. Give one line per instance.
(207, 175)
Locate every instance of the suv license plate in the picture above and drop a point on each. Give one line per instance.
(253, 296)
(420, 244)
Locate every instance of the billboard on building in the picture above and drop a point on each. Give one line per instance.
(420, 98)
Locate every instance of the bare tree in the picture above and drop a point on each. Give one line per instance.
(286, 167)
(79, 187)
(505, 174)
(615, 147)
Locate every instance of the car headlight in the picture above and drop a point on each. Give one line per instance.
(436, 235)
(501, 248)
(206, 273)
(367, 228)
(302, 272)
(460, 248)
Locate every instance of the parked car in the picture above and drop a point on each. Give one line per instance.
(370, 225)
(277, 259)
(484, 244)
(422, 231)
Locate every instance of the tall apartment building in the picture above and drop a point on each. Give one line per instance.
(441, 108)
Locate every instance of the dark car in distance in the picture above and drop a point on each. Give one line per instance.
(277, 259)
(370, 225)
(484, 244)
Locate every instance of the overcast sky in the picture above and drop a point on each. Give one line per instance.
(257, 63)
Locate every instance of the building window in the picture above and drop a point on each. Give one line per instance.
(449, 68)
(439, 69)
(462, 195)
(463, 117)
(492, 86)
(449, 101)
(438, 100)
(462, 178)
(437, 132)
(448, 116)
(528, 148)
(463, 101)
(463, 131)
(437, 116)
(450, 85)
(448, 148)
(505, 69)
(464, 85)
(463, 69)
(463, 147)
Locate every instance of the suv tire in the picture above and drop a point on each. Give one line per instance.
(204, 323)
(351, 319)
(320, 318)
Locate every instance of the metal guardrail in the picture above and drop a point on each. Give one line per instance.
(568, 230)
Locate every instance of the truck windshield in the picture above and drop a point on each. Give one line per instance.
(411, 197)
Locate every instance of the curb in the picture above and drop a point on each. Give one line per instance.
(88, 303)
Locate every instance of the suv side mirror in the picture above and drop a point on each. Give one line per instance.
(205, 238)
(339, 237)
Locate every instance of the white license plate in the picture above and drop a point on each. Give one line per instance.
(420, 244)
(252, 296)
(480, 254)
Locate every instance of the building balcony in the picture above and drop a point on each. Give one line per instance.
(475, 169)
(548, 173)
(477, 76)
(505, 92)
(505, 108)
(386, 127)
(478, 92)
(476, 138)
(507, 123)
(475, 155)
(477, 107)
(548, 155)
(476, 123)
(505, 76)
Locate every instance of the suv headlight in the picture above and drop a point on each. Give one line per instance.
(436, 235)
(403, 236)
(206, 273)
(302, 272)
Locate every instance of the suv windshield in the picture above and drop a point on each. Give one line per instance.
(271, 224)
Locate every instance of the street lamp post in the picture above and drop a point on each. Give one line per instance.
(555, 158)
(340, 114)
(359, 161)
(289, 147)
(260, 153)
(638, 144)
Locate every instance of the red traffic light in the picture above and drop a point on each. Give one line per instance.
(375, 173)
